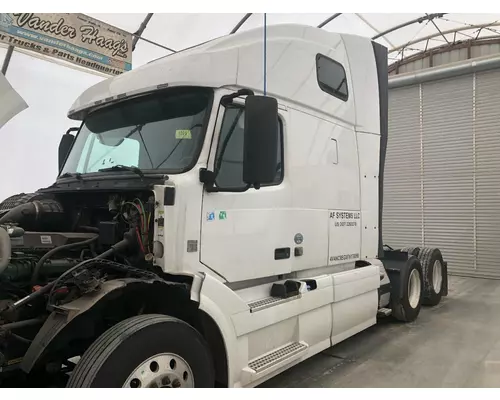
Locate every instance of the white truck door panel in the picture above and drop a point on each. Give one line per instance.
(345, 236)
(324, 174)
(245, 234)
(239, 243)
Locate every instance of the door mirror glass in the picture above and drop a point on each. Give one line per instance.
(261, 136)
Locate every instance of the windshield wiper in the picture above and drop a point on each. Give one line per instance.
(76, 175)
(135, 170)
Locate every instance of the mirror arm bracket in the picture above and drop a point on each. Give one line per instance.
(228, 98)
(207, 177)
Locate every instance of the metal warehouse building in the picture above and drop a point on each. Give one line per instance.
(442, 181)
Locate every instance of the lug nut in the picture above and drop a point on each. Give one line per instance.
(165, 381)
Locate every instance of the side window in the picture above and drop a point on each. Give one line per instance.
(229, 157)
(332, 78)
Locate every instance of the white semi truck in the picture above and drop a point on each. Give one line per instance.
(211, 224)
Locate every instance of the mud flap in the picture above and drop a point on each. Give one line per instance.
(445, 278)
(54, 324)
(394, 264)
(399, 268)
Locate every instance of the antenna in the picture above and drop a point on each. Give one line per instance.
(265, 54)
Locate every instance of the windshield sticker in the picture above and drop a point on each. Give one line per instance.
(183, 134)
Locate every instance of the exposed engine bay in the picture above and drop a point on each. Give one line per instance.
(56, 247)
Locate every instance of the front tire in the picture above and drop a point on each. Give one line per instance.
(146, 351)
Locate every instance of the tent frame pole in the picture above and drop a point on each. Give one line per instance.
(6, 60)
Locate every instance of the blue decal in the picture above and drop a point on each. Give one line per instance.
(210, 216)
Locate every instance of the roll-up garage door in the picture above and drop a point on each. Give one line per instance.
(448, 182)
(402, 222)
(442, 177)
(487, 179)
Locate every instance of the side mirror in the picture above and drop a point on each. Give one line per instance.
(65, 146)
(260, 155)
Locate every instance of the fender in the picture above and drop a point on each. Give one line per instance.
(396, 265)
(64, 317)
(220, 303)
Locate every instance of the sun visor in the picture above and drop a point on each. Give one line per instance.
(11, 103)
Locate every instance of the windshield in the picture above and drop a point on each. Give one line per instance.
(163, 131)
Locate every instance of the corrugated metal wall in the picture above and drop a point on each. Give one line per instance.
(454, 55)
(442, 182)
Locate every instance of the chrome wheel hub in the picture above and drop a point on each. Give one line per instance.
(414, 288)
(437, 276)
(164, 370)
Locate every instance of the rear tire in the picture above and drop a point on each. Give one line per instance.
(146, 351)
(412, 251)
(432, 267)
(407, 308)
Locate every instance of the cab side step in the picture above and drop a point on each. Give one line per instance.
(271, 301)
(277, 356)
(384, 312)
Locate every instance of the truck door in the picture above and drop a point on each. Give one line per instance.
(245, 233)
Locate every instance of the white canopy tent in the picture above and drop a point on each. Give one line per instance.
(29, 141)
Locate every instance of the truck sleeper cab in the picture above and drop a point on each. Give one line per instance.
(266, 207)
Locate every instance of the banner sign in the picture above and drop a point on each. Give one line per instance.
(12, 103)
(75, 38)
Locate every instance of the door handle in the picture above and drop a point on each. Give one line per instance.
(282, 253)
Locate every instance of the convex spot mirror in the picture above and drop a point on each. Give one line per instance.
(260, 155)
(65, 146)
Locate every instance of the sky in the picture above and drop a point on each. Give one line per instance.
(30, 140)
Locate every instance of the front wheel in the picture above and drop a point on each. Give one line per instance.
(147, 351)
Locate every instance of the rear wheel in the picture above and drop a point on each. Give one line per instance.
(407, 306)
(432, 267)
(411, 250)
(147, 351)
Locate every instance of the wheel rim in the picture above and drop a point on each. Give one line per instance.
(414, 288)
(164, 370)
(437, 276)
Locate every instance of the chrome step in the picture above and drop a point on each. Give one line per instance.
(277, 356)
(384, 312)
(262, 304)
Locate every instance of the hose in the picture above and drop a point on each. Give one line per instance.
(17, 213)
(20, 338)
(5, 249)
(123, 244)
(27, 299)
(21, 324)
(46, 256)
(48, 287)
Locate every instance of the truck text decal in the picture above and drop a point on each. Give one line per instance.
(345, 257)
(345, 218)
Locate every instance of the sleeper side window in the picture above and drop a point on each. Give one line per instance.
(229, 157)
(332, 78)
